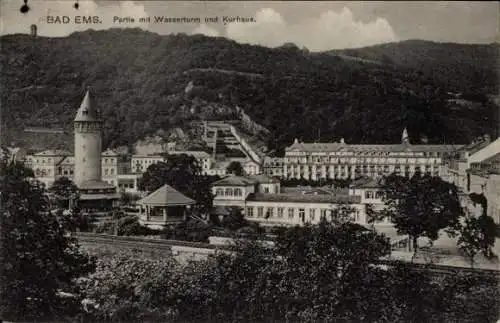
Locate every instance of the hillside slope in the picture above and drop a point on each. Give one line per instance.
(462, 67)
(139, 79)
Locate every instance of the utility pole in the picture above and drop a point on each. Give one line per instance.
(115, 220)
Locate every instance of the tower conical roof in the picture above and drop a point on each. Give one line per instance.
(405, 139)
(88, 110)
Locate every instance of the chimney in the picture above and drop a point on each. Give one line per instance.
(33, 30)
(342, 141)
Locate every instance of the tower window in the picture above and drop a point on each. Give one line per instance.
(85, 112)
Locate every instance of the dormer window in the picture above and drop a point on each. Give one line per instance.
(85, 112)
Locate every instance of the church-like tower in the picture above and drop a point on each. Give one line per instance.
(88, 142)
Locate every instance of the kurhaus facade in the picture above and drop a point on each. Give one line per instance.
(316, 161)
(261, 199)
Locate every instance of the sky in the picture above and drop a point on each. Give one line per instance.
(317, 25)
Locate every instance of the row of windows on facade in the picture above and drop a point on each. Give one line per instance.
(121, 185)
(407, 169)
(347, 174)
(49, 160)
(323, 213)
(343, 166)
(234, 191)
(61, 171)
(228, 192)
(87, 125)
(109, 160)
(370, 154)
(126, 185)
(374, 195)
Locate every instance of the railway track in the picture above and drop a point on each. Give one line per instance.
(92, 238)
(148, 244)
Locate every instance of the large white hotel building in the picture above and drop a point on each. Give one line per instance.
(339, 160)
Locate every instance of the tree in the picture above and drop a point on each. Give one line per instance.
(235, 168)
(38, 257)
(421, 206)
(234, 220)
(65, 192)
(183, 173)
(477, 234)
(481, 200)
(192, 230)
(469, 241)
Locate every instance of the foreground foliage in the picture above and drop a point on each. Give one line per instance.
(38, 259)
(315, 274)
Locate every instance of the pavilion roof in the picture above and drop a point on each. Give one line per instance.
(166, 196)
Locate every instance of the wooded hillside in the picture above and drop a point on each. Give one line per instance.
(139, 79)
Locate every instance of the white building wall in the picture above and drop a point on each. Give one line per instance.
(110, 169)
(296, 213)
(493, 197)
(88, 147)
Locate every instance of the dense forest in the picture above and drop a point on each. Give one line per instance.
(441, 92)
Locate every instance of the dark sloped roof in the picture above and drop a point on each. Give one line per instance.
(233, 180)
(100, 196)
(88, 109)
(304, 198)
(166, 196)
(53, 152)
(95, 185)
(474, 147)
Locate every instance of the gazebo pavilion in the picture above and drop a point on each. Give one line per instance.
(163, 207)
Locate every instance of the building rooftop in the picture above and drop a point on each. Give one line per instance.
(100, 196)
(493, 159)
(304, 198)
(475, 146)
(88, 109)
(194, 153)
(312, 190)
(54, 152)
(233, 180)
(67, 160)
(109, 152)
(166, 196)
(95, 185)
(366, 183)
(333, 147)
